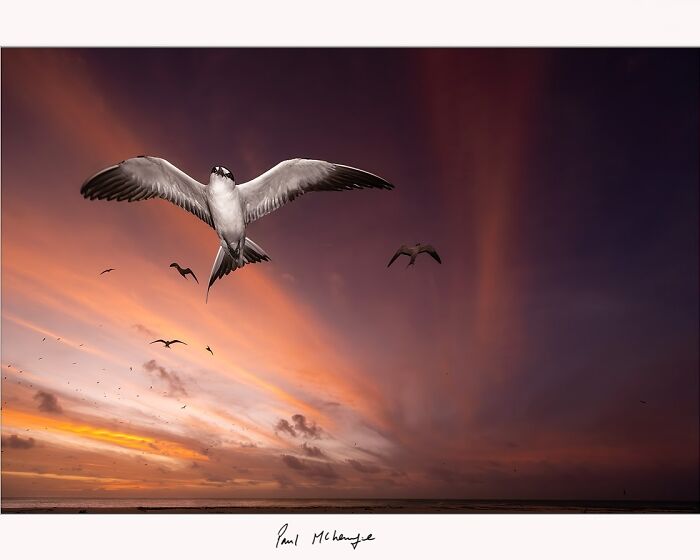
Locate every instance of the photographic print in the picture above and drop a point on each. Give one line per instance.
(349, 280)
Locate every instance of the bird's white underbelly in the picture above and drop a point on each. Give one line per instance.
(227, 214)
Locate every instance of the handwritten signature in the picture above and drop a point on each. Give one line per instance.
(318, 538)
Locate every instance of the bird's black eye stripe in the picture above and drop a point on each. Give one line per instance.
(222, 171)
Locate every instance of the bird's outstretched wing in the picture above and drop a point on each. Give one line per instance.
(159, 340)
(189, 271)
(431, 251)
(292, 178)
(145, 177)
(403, 250)
(178, 341)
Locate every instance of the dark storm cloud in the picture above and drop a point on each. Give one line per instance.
(374, 454)
(331, 404)
(309, 430)
(312, 450)
(16, 442)
(293, 463)
(301, 427)
(322, 470)
(363, 468)
(310, 469)
(175, 384)
(284, 426)
(48, 402)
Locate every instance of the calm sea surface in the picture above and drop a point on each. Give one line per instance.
(343, 506)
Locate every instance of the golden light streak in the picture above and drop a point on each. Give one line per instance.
(19, 419)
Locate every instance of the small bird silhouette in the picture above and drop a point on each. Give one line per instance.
(413, 252)
(644, 402)
(184, 271)
(209, 350)
(168, 342)
(106, 270)
(183, 406)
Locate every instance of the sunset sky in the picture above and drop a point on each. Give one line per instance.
(560, 188)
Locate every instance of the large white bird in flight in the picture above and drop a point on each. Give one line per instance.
(224, 205)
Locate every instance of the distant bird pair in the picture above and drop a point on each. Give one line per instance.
(183, 271)
(167, 344)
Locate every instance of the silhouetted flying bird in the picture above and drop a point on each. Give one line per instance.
(169, 342)
(184, 271)
(414, 251)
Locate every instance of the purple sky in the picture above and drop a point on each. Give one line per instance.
(560, 188)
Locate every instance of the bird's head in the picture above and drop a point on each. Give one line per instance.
(220, 171)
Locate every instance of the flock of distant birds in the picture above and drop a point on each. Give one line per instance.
(166, 343)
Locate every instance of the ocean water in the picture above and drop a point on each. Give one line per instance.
(165, 505)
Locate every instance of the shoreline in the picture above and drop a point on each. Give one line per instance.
(368, 509)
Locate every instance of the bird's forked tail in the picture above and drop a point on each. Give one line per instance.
(225, 263)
